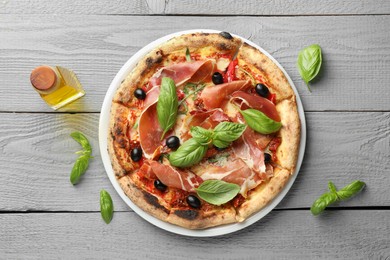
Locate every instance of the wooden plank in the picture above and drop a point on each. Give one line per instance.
(200, 7)
(343, 234)
(356, 53)
(37, 155)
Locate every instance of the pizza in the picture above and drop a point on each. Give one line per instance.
(204, 131)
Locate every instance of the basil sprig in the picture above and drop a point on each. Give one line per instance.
(335, 195)
(193, 150)
(201, 135)
(167, 105)
(309, 63)
(217, 192)
(188, 154)
(82, 163)
(106, 206)
(227, 132)
(259, 122)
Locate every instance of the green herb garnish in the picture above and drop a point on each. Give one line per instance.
(106, 206)
(333, 196)
(227, 132)
(188, 154)
(193, 150)
(259, 122)
(309, 63)
(81, 164)
(167, 105)
(217, 192)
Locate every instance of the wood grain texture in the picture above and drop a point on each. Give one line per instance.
(354, 75)
(199, 7)
(343, 234)
(37, 155)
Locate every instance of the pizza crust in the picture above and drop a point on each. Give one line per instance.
(290, 134)
(118, 143)
(261, 64)
(198, 219)
(263, 194)
(146, 201)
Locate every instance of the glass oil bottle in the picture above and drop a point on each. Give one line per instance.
(57, 86)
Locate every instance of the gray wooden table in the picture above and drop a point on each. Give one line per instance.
(348, 122)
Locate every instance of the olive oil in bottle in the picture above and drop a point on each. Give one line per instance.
(57, 86)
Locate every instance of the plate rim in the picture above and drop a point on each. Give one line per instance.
(104, 120)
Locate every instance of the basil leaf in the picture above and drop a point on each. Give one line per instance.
(227, 132)
(309, 63)
(332, 187)
(350, 190)
(188, 154)
(106, 206)
(82, 140)
(328, 198)
(188, 55)
(259, 122)
(167, 105)
(81, 164)
(201, 135)
(217, 192)
(79, 168)
(322, 202)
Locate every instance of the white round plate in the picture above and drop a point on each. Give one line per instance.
(104, 131)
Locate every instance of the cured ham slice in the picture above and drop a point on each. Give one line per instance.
(149, 131)
(151, 96)
(234, 171)
(206, 119)
(195, 72)
(172, 177)
(214, 96)
(250, 151)
(256, 102)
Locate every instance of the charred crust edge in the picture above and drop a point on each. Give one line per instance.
(152, 200)
(187, 214)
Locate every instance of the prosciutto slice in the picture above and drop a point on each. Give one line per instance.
(214, 96)
(172, 177)
(196, 71)
(256, 102)
(234, 171)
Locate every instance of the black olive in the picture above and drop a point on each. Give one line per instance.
(226, 35)
(173, 142)
(160, 186)
(136, 154)
(267, 157)
(193, 201)
(217, 78)
(140, 93)
(262, 90)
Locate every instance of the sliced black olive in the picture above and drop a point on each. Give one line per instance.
(267, 157)
(160, 186)
(193, 201)
(136, 154)
(140, 93)
(262, 90)
(226, 35)
(173, 142)
(217, 78)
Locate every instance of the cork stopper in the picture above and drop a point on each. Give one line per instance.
(43, 78)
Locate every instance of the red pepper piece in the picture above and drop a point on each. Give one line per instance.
(230, 74)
